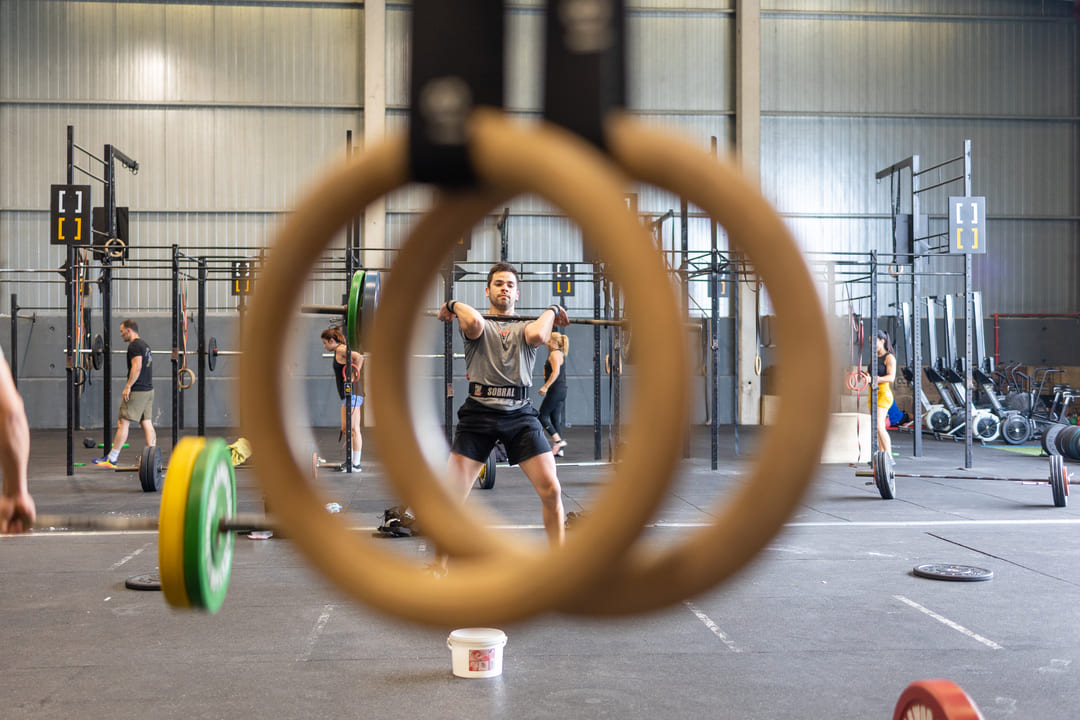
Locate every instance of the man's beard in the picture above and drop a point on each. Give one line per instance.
(503, 303)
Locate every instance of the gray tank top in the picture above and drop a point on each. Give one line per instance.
(500, 357)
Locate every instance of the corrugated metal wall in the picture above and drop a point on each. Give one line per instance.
(232, 107)
(230, 110)
(849, 88)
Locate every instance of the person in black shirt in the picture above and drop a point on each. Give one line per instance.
(334, 342)
(554, 390)
(138, 394)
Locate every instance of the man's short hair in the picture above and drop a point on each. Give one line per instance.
(503, 267)
(130, 325)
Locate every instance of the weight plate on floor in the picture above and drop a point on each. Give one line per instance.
(352, 310)
(958, 573)
(211, 354)
(207, 550)
(935, 700)
(884, 475)
(1059, 481)
(143, 582)
(315, 465)
(487, 473)
(174, 497)
(150, 469)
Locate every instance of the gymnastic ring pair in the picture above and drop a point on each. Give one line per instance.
(495, 579)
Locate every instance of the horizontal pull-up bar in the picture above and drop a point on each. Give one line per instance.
(940, 164)
(936, 185)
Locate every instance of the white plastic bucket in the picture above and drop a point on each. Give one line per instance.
(477, 652)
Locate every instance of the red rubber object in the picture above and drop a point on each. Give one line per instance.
(935, 700)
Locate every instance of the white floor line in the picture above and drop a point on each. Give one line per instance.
(713, 627)
(949, 623)
(316, 631)
(124, 560)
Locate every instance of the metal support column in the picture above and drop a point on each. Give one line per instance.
(202, 348)
(177, 323)
(969, 408)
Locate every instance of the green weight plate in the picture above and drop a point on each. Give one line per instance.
(150, 469)
(352, 314)
(487, 473)
(208, 551)
(957, 573)
(1059, 481)
(369, 301)
(171, 520)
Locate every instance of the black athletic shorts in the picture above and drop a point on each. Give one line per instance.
(479, 427)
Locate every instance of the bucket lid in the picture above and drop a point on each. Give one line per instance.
(478, 637)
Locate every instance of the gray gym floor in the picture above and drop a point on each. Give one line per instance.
(830, 622)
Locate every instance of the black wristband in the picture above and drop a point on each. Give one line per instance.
(450, 306)
(555, 309)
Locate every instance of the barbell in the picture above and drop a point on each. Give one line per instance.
(196, 521)
(884, 474)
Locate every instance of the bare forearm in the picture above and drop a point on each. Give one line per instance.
(14, 445)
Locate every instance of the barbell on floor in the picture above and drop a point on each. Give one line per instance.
(197, 519)
(884, 474)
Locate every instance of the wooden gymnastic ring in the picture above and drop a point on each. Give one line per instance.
(181, 374)
(517, 582)
(115, 248)
(644, 581)
(747, 519)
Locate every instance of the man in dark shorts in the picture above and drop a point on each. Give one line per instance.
(138, 394)
(499, 359)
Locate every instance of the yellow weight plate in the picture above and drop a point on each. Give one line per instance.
(174, 497)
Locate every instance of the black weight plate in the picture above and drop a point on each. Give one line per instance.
(1059, 481)
(487, 473)
(97, 353)
(211, 353)
(89, 443)
(150, 475)
(1072, 447)
(956, 573)
(143, 582)
(1049, 440)
(884, 475)
(368, 304)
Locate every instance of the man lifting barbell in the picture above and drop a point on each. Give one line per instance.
(138, 394)
(499, 359)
